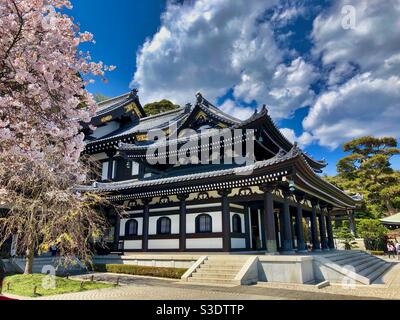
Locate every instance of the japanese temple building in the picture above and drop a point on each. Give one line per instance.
(257, 206)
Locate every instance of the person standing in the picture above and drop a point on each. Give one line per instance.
(397, 246)
(390, 249)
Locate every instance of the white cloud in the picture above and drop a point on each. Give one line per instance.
(363, 94)
(303, 140)
(362, 106)
(214, 46)
(242, 113)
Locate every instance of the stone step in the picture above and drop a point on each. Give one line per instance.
(213, 275)
(342, 257)
(211, 280)
(354, 261)
(378, 272)
(222, 266)
(367, 272)
(217, 271)
(340, 253)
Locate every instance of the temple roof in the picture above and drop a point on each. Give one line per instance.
(292, 163)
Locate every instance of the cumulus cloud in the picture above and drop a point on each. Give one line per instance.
(362, 97)
(232, 108)
(223, 45)
(215, 46)
(303, 140)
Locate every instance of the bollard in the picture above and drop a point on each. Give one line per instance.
(92, 278)
(8, 286)
(35, 290)
(82, 284)
(67, 276)
(118, 281)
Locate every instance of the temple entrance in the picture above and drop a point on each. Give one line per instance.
(256, 242)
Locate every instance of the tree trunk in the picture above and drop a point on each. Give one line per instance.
(29, 261)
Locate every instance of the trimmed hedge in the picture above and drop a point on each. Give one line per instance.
(175, 273)
(377, 253)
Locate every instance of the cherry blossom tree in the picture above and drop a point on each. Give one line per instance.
(43, 104)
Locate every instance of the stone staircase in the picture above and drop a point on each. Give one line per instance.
(357, 265)
(44, 264)
(221, 269)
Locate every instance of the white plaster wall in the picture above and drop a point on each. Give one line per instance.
(133, 244)
(174, 224)
(238, 243)
(216, 221)
(242, 220)
(164, 244)
(204, 243)
(108, 128)
(123, 222)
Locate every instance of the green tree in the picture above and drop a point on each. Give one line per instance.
(373, 232)
(343, 233)
(98, 97)
(367, 171)
(158, 107)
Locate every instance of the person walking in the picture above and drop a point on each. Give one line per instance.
(390, 249)
(397, 247)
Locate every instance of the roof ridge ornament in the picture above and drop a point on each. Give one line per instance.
(134, 93)
(264, 109)
(199, 97)
(188, 107)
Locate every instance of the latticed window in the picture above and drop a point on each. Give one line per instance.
(236, 223)
(131, 228)
(204, 223)
(164, 225)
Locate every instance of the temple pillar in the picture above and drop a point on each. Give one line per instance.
(269, 220)
(146, 213)
(247, 227)
(182, 221)
(352, 223)
(226, 219)
(301, 244)
(314, 232)
(110, 155)
(287, 238)
(322, 229)
(329, 229)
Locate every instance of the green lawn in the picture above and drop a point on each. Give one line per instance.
(23, 285)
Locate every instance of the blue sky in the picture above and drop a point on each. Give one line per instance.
(324, 80)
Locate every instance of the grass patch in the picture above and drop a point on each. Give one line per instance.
(174, 273)
(23, 285)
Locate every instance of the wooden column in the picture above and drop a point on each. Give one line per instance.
(287, 238)
(247, 228)
(182, 221)
(145, 238)
(301, 244)
(269, 220)
(314, 231)
(329, 229)
(322, 228)
(226, 219)
(110, 155)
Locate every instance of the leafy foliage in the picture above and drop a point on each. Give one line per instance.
(42, 106)
(98, 97)
(373, 232)
(158, 107)
(367, 171)
(161, 272)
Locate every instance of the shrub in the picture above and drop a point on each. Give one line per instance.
(374, 234)
(175, 273)
(377, 253)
